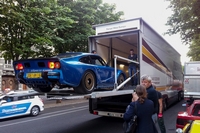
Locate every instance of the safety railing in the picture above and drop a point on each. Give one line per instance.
(116, 87)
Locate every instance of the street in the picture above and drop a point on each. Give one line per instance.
(75, 118)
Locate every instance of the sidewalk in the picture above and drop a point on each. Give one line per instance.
(56, 103)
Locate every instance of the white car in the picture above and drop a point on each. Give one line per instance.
(20, 104)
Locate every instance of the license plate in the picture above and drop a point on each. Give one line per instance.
(33, 75)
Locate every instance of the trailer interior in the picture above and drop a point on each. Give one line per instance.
(117, 44)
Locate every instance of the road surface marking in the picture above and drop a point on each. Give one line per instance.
(44, 117)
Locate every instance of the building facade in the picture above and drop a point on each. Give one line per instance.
(7, 76)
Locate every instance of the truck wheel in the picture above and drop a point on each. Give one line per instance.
(43, 90)
(182, 95)
(35, 111)
(87, 84)
(179, 97)
(120, 80)
(165, 104)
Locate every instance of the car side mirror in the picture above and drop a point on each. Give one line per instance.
(184, 104)
(3, 101)
(179, 130)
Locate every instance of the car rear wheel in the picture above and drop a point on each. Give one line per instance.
(43, 90)
(87, 84)
(35, 111)
(120, 80)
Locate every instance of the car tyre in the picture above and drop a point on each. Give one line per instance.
(120, 80)
(87, 84)
(165, 104)
(179, 97)
(35, 111)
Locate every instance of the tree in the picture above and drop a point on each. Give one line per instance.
(85, 13)
(28, 27)
(194, 51)
(186, 21)
(34, 28)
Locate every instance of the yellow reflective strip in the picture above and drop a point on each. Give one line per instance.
(152, 58)
(161, 88)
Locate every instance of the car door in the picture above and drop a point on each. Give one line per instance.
(13, 108)
(104, 73)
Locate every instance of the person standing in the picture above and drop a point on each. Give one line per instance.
(152, 95)
(94, 52)
(144, 111)
(132, 67)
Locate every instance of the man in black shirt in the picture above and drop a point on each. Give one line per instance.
(152, 93)
(132, 67)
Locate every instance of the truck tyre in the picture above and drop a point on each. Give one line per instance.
(43, 90)
(35, 111)
(179, 97)
(120, 80)
(182, 95)
(165, 104)
(87, 84)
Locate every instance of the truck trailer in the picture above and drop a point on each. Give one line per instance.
(156, 58)
(191, 81)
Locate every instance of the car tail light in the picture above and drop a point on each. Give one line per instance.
(57, 65)
(53, 65)
(41, 100)
(95, 112)
(19, 67)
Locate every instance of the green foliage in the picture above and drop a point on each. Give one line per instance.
(194, 51)
(186, 21)
(28, 27)
(85, 13)
(42, 28)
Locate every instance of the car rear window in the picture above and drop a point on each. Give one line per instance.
(68, 55)
(8, 99)
(25, 97)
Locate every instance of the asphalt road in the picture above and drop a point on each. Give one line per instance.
(170, 116)
(75, 118)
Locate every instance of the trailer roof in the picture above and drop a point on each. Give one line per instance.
(114, 22)
(134, 19)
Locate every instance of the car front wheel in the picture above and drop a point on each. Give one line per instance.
(35, 111)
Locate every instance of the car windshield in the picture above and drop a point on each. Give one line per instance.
(196, 111)
(67, 55)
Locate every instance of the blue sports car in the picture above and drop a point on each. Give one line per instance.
(85, 72)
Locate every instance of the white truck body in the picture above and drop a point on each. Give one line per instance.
(192, 79)
(156, 57)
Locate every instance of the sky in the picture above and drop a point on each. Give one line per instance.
(155, 13)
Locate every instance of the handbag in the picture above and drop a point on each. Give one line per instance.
(130, 127)
(162, 125)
